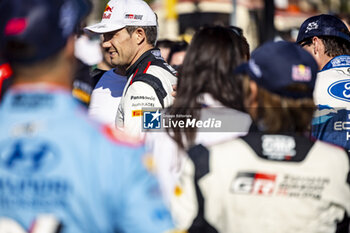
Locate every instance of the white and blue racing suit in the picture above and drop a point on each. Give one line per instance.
(53, 160)
(332, 97)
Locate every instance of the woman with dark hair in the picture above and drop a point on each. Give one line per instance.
(208, 103)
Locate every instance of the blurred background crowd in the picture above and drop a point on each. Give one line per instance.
(260, 20)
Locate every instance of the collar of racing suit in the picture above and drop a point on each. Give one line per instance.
(257, 128)
(147, 56)
(280, 146)
(337, 62)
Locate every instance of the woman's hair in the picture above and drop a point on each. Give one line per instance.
(245, 49)
(276, 113)
(208, 67)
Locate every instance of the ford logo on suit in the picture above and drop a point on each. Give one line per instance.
(340, 90)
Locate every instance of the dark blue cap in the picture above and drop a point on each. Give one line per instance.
(323, 25)
(275, 66)
(33, 30)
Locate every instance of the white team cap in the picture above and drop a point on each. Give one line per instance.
(121, 13)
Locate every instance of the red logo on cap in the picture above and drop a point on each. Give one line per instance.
(108, 8)
(15, 26)
(105, 14)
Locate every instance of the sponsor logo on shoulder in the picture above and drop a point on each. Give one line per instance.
(340, 90)
(341, 61)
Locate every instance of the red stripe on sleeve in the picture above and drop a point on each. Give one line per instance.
(149, 63)
(133, 76)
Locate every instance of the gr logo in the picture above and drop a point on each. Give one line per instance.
(151, 119)
(253, 183)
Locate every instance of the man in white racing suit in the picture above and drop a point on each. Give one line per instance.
(129, 28)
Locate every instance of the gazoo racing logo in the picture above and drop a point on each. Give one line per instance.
(132, 16)
(340, 90)
(253, 183)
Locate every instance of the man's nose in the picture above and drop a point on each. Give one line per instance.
(106, 44)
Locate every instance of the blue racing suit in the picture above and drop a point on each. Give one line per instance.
(53, 160)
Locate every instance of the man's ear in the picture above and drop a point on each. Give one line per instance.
(251, 100)
(140, 35)
(253, 97)
(69, 48)
(318, 46)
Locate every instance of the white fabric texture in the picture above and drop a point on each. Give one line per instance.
(105, 97)
(237, 200)
(168, 158)
(324, 81)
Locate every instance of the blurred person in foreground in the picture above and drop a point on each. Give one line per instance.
(208, 105)
(274, 179)
(5, 69)
(60, 172)
(129, 28)
(327, 39)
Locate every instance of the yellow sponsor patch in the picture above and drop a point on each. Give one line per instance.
(177, 191)
(148, 162)
(81, 95)
(136, 113)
